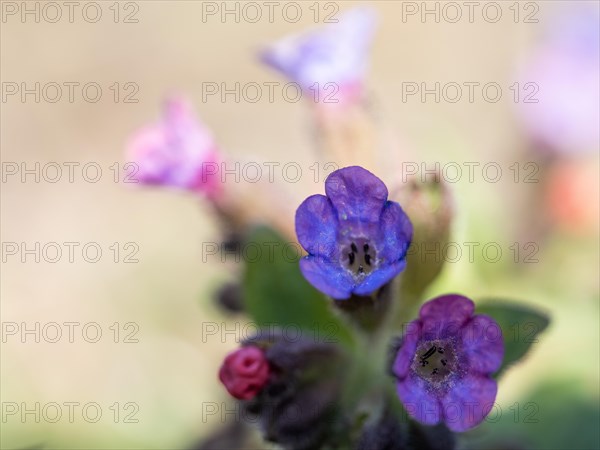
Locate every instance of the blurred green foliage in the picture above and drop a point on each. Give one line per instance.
(520, 326)
(276, 294)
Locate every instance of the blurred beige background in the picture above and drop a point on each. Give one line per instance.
(171, 371)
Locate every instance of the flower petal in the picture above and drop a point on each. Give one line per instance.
(445, 315)
(356, 194)
(419, 400)
(147, 149)
(397, 232)
(379, 277)
(483, 344)
(469, 401)
(173, 151)
(331, 279)
(316, 225)
(335, 53)
(407, 350)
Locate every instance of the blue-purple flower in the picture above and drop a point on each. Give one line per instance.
(355, 238)
(332, 59)
(445, 361)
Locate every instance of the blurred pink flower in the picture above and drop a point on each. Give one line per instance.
(330, 62)
(177, 151)
(572, 195)
(565, 68)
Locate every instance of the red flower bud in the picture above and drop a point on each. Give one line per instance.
(244, 372)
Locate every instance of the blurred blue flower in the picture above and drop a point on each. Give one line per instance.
(560, 90)
(356, 239)
(335, 53)
(445, 361)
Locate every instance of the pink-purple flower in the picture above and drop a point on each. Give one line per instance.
(331, 60)
(355, 237)
(177, 151)
(445, 361)
(559, 94)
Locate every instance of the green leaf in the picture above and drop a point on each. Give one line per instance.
(276, 293)
(520, 325)
(559, 414)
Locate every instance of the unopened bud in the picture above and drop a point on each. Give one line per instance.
(429, 206)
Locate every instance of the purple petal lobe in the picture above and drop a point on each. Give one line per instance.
(408, 348)
(351, 228)
(468, 402)
(445, 315)
(356, 194)
(397, 232)
(316, 225)
(482, 344)
(175, 151)
(335, 53)
(419, 400)
(379, 277)
(331, 279)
